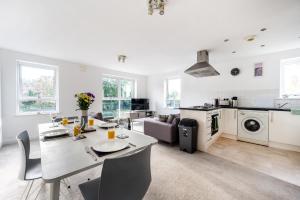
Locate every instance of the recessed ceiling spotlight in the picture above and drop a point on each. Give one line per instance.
(234, 52)
(122, 58)
(263, 29)
(262, 45)
(226, 40)
(250, 38)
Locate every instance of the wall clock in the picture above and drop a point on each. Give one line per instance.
(235, 71)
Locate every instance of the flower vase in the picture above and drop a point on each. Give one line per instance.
(84, 119)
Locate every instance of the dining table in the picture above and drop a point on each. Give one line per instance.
(64, 157)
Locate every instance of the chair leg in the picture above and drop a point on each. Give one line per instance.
(42, 185)
(27, 184)
(29, 189)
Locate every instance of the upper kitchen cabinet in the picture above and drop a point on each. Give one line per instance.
(229, 121)
(284, 128)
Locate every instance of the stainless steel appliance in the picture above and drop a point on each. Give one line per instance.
(234, 101)
(212, 123)
(202, 68)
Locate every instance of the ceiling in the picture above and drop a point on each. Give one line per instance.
(94, 32)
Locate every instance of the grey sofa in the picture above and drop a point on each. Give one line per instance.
(167, 132)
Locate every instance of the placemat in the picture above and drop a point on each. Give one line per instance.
(100, 154)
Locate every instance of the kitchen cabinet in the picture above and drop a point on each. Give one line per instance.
(229, 121)
(284, 128)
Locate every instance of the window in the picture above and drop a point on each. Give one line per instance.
(117, 94)
(290, 78)
(172, 92)
(37, 88)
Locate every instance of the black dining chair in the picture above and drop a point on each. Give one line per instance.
(124, 178)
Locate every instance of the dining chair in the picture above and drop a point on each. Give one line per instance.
(31, 169)
(126, 178)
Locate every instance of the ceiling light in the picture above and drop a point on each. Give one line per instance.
(122, 58)
(226, 40)
(250, 38)
(156, 5)
(263, 29)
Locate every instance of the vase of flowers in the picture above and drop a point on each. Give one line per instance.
(84, 100)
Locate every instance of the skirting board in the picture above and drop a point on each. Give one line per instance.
(230, 136)
(284, 146)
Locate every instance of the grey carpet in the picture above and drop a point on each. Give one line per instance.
(176, 176)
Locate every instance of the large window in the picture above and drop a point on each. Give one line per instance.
(117, 94)
(37, 88)
(290, 78)
(172, 92)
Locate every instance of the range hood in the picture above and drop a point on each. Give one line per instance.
(202, 68)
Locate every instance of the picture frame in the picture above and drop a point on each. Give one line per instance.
(258, 69)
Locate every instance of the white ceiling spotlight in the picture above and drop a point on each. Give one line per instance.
(156, 5)
(122, 58)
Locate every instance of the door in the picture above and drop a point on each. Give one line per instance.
(284, 128)
(229, 121)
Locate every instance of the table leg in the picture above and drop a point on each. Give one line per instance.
(54, 190)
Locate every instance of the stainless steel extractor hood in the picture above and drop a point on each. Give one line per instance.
(202, 68)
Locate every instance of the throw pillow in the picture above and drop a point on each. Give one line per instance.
(170, 119)
(162, 118)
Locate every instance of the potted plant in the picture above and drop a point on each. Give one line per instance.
(84, 100)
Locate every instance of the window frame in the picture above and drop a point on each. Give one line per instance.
(20, 98)
(119, 97)
(166, 90)
(282, 83)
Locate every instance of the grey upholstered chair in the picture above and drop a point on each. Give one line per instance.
(30, 168)
(124, 178)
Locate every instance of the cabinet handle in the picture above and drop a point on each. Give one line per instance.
(272, 117)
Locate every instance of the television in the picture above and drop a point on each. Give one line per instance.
(139, 104)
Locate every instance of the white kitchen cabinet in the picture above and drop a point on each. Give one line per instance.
(229, 121)
(284, 128)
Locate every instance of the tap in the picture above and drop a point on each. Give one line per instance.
(281, 106)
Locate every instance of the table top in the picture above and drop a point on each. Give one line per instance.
(63, 157)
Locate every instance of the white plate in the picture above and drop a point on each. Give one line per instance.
(111, 146)
(108, 125)
(56, 133)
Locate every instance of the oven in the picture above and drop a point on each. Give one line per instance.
(215, 122)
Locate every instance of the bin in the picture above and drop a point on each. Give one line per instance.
(188, 129)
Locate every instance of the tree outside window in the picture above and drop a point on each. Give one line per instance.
(117, 94)
(172, 92)
(37, 88)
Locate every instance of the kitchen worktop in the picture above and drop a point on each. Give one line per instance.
(196, 108)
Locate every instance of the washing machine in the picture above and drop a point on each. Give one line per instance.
(253, 126)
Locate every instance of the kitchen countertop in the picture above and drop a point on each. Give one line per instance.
(239, 107)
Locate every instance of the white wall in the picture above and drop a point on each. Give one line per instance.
(72, 79)
(251, 91)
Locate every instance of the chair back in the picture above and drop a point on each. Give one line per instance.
(24, 146)
(126, 178)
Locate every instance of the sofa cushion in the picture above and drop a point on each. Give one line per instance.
(162, 118)
(170, 119)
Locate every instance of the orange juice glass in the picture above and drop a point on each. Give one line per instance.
(111, 134)
(91, 122)
(65, 121)
(76, 130)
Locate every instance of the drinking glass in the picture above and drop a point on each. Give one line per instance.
(111, 134)
(53, 117)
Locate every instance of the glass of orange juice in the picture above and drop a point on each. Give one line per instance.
(111, 134)
(65, 121)
(91, 122)
(76, 130)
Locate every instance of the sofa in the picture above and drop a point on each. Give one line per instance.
(163, 131)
